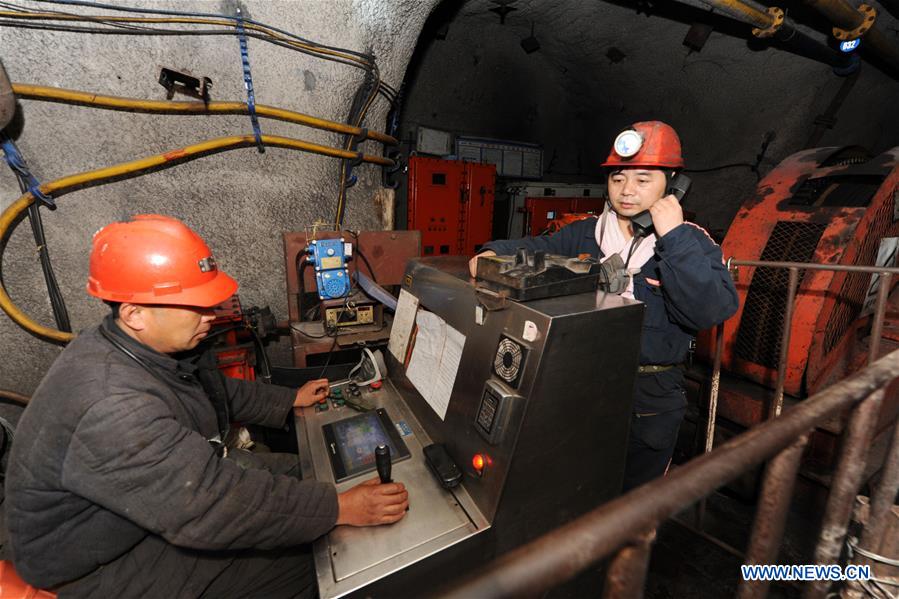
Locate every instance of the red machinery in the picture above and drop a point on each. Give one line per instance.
(541, 211)
(235, 359)
(451, 203)
(829, 206)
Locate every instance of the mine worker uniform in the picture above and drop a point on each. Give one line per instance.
(685, 287)
(118, 484)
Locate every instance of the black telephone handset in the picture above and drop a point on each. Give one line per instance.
(678, 187)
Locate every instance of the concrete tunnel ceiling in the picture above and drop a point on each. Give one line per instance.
(604, 64)
(601, 65)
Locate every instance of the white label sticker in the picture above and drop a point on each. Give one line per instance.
(530, 332)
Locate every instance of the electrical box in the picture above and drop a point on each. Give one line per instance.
(451, 203)
(329, 257)
(534, 205)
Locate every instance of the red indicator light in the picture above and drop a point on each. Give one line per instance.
(478, 461)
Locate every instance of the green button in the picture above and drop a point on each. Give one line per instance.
(339, 402)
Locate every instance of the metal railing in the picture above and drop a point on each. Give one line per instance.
(624, 529)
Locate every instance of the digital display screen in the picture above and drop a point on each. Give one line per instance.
(351, 443)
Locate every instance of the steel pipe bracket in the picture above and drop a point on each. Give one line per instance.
(868, 14)
(777, 20)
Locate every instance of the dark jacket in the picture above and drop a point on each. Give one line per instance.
(695, 292)
(108, 457)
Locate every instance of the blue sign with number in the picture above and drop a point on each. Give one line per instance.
(850, 45)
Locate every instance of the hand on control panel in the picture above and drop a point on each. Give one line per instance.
(372, 503)
(311, 393)
(473, 263)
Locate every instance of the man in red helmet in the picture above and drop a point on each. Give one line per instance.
(678, 273)
(117, 485)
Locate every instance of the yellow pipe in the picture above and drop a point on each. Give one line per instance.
(757, 17)
(65, 185)
(40, 92)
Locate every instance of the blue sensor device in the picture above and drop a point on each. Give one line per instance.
(329, 257)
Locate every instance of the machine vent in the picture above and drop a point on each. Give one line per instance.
(508, 361)
(855, 285)
(758, 339)
(851, 191)
(848, 155)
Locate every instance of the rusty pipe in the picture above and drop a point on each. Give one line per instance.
(777, 403)
(813, 266)
(774, 23)
(882, 498)
(564, 552)
(847, 479)
(7, 98)
(771, 515)
(883, 292)
(844, 16)
(626, 576)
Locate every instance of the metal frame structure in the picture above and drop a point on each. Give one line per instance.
(623, 529)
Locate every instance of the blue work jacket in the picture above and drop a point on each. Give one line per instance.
(694, 290)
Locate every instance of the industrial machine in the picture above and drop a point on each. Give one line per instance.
(451, 203)
(535, 206)
(828, 206)
(322, 326)
(503, 419)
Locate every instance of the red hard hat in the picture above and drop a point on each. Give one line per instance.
(649, 143)
(155, 259)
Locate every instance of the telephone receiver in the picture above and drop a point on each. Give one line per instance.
(678, 187)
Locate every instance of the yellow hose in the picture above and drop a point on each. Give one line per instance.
(40, 92)
(68, 184)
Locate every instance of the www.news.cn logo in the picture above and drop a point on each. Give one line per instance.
(806, 572)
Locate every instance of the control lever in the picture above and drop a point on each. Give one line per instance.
(382, 461)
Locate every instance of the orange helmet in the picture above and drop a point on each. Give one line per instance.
(649, 143)
(155, 259)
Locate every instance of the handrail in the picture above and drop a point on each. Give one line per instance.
(622, 528)
(560, 554)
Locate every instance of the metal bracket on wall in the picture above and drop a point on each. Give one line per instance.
(184, 83)
(351, 163)
(869, 16)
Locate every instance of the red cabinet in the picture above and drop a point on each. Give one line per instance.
(540, 210)
(451, 203)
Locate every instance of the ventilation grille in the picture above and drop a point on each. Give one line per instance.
(758, 339)
(855, 285)
(851, 191)
(508, 359)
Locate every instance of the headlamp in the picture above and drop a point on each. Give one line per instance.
(628, 143)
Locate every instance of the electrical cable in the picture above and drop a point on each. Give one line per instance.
(371, 270)
(362, 60)
(10, 216)
(722, 167)
(135, 9)
(27, 182)
(330, 354)
(265, 369)
(372, 80)
(13, 396)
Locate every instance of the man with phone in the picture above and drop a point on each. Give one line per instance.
(674, 267)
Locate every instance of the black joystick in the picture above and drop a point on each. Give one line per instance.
(382, 461)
